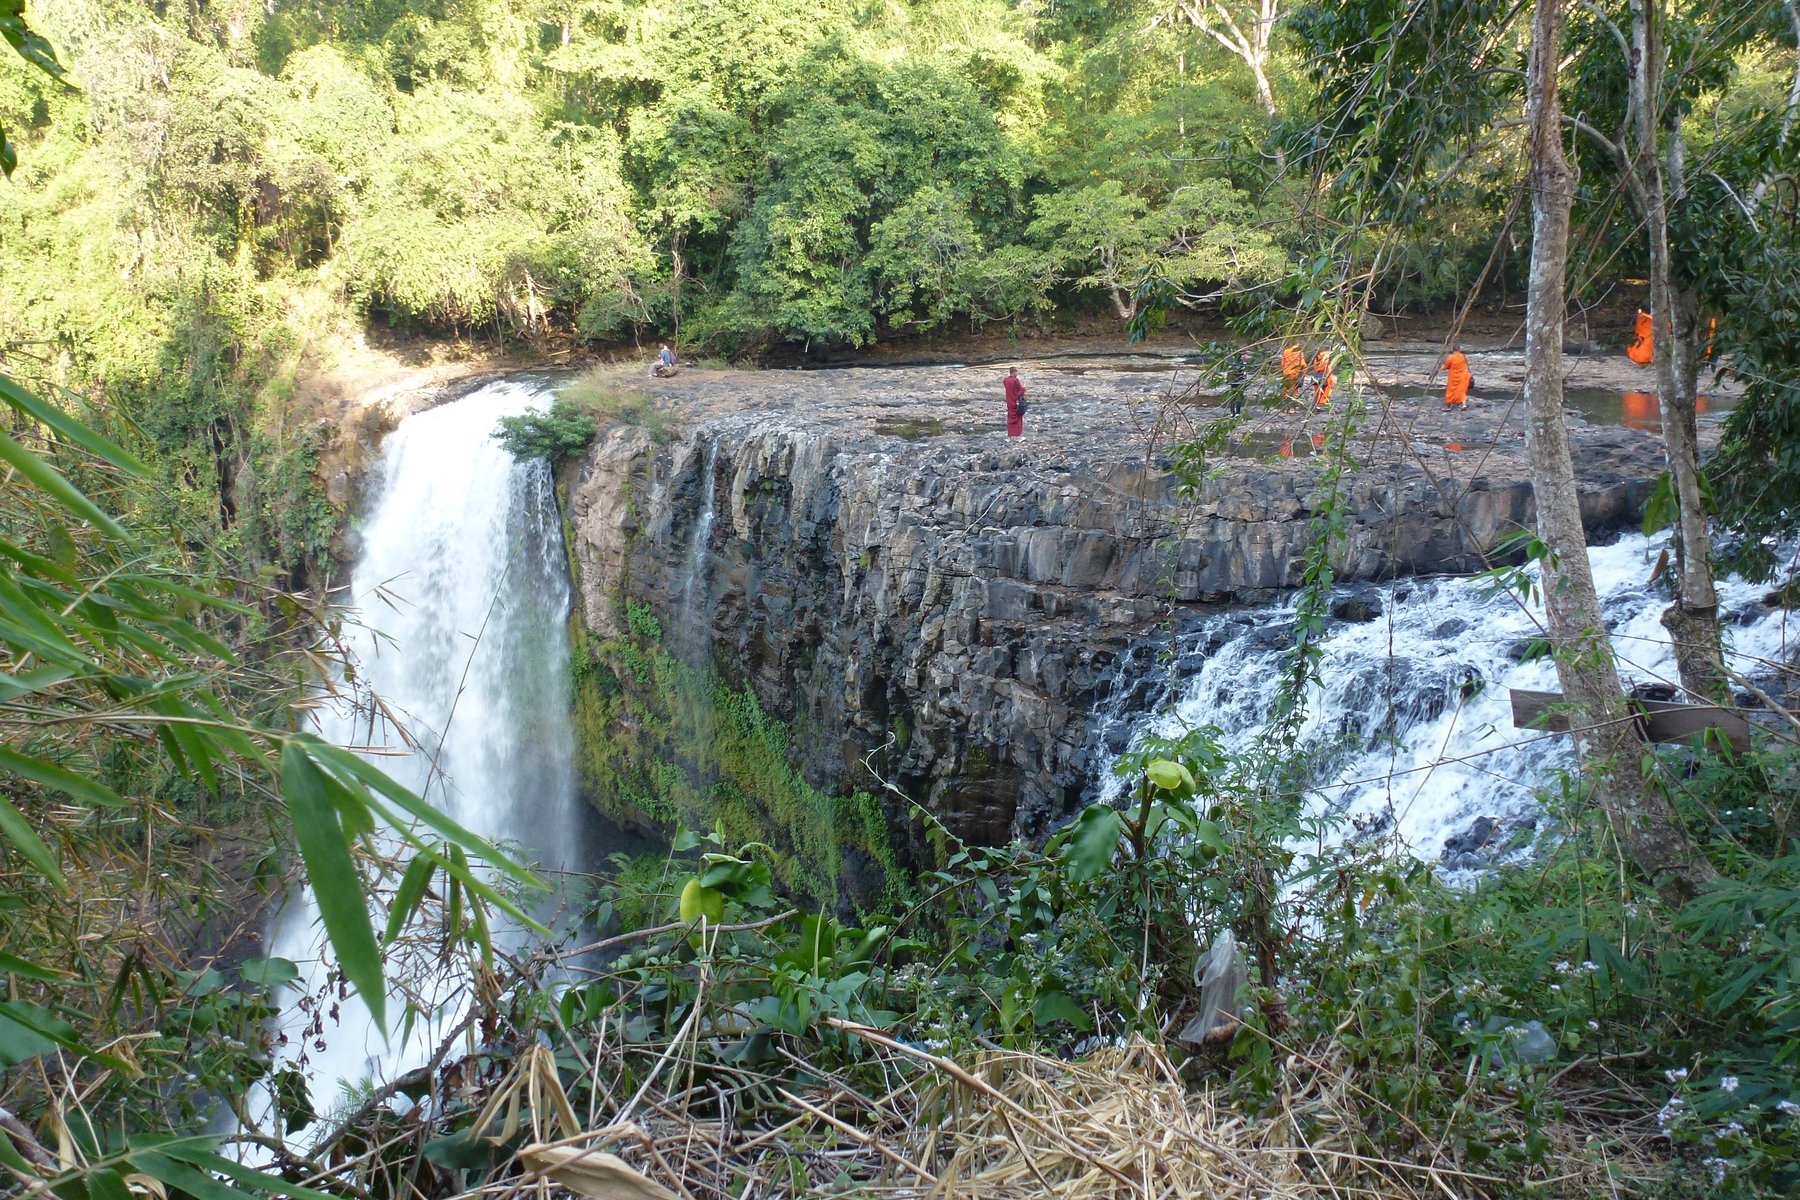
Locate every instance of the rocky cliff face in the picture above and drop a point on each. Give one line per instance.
(918, 596)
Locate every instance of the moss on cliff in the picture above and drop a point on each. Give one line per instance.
(663, 743)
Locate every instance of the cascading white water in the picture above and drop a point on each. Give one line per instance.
(462, 590)
(692, 638)
(1412, 714)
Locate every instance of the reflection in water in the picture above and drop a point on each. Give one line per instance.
(1640, 410)
(1597, 406)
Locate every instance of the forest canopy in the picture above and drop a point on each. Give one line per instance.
(737, 173)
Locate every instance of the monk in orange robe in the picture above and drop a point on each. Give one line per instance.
(1321, 369)
(1643, 348)
(1293, 362)
(1456, 383)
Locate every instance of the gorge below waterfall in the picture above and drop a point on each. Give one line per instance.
(459, 599)
(809, 637)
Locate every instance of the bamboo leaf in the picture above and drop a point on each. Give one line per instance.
(27, 842)
(409, 893)
(11, 964)
(364, 772)
(68, 427)
(49, 480)
(52, 776)
(336, 885)
(26, 683)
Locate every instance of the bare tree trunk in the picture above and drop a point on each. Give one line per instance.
(1641, 815)
(1259, 69)
(1245, 33)
(1693, 620)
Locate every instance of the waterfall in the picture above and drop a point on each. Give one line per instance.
(462, 593)
(1411, 717)
(692, 637)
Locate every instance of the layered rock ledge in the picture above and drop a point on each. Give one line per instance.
(920, 597)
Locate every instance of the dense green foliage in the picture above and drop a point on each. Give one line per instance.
(747, 172)
(665, 741)
(555, 433)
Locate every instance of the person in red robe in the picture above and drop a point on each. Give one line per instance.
(1456, 383)
(1324, 379)
(1293, 363)
(1015, 404)
(1643, 345)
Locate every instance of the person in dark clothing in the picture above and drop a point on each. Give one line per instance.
(1237, 381)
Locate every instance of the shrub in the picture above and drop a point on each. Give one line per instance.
(555, 433)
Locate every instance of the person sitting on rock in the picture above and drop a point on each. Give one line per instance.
(665, 362)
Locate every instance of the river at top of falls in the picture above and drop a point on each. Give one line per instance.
(1410, 713)
(460, 594)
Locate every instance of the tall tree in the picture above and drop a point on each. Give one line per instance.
(1640, 813)
(1650, 152)
(1243, 28)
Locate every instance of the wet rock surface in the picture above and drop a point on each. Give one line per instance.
(922, 598)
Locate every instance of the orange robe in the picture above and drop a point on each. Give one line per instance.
(1456, 386)
(1322, 368)
(1643, 349)
(1293, 361)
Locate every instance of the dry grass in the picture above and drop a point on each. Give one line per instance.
(1118, 1125)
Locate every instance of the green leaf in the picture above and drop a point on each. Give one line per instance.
(409, 893)
(24, 1018)
(49, 480)
(1092, 841)
(1057, 1006)
(260, 1181)
(269, 972)
(15, 829)
(178, 1175)
(341, 760)
(26, 683)
(1208, 833)
(26, 623)
(69, 428)
(11, 964)
(336, 885)
(20, 1042)
(53, 776)
(104, 1183)
(459, 1152)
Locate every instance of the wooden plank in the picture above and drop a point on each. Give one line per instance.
(1676, 722)
(1659, 721)
(1529, 706)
